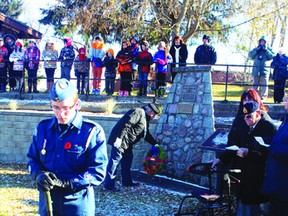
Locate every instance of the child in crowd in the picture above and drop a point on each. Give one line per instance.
(161, 59)
(49, 55)
(110, 71)
(144, 60)
(17, 57)
(81, 68)
(124, 56)
(67, 56)
(96, 54)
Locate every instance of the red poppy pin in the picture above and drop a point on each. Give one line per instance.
(67, 145)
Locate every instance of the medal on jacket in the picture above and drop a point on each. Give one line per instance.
(43, 151)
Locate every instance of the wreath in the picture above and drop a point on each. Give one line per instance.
(154, 160)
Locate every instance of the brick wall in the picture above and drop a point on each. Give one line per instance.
(16, 129)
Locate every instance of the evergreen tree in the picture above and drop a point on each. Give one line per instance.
(11, 8)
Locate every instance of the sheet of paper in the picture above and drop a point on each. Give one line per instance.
(232, 148)
(261, 141)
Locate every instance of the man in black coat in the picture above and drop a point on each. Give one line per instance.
(205, 53)
(129, 130)
(250, 158)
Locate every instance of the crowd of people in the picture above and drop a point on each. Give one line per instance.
(133, 63)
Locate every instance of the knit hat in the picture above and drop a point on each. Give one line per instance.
(18, 43)
(154, 107)
(250, 107)
(161, 43)
(145, 43)
(61, 90)
(98, 37)
(32, 41)
(82, 53)
(111, 51)
(262, 38)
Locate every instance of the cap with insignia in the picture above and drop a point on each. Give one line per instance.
(154, 107)
(250, 107)
(61, 90)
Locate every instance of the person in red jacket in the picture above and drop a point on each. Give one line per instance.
(144, 59)
(124, 57)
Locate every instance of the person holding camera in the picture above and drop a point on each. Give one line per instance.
(260, 72)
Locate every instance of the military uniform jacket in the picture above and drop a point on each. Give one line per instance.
(252, 166)
(78, 154)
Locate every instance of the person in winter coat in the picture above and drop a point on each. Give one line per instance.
(9, 43)
(67, 56)
(250, 158)
(81, 68)
(110, 64)
(96, 54)
(260, 72)
(129, 130)
(32, 59)
(4, 58)
(144, 60)
(67, 156)
(276, 175)
(50, 56)
(161, 58)
(124, 57)
(134, 47)
(17, 57)
(239, 123)
(280, 74)
(205, 53)
(179, 53)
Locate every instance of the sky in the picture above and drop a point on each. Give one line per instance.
(32, 14)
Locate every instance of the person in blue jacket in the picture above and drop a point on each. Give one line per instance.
(67, 156)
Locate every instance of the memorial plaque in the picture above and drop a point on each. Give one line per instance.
(189, 94)
(185, 108)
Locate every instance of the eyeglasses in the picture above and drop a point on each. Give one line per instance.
(65, 109)
(248, 116)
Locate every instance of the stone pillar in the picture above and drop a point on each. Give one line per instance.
(187, 120)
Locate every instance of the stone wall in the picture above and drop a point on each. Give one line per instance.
(16, 129)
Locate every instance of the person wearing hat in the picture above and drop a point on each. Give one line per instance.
(32, 59)
(250, 157)
(161, 59)
(260, 71)
(110, 64)
(17, 57)
(96, 54)
(82, 68)
(205, 54)
(144, 60)
(128, 131)
(67, 56)
(179, 53)
(4, 56)
(67, 156)
(49, 56)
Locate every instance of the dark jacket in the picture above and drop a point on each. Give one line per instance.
(131, 128)
(279, 64)
(111, 64)
(276, 177)
(253, 165)
(183, 54)
(144, 59)
(205, 54)
(67, 56)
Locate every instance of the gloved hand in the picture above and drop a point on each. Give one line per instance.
(45, 180)
(161, 61)
(63, 183)
(117, 143)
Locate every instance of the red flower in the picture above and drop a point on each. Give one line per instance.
(67, 145)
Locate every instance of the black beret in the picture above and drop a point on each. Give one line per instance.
(250, 107)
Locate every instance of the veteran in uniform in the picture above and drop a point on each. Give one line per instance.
(67, 156)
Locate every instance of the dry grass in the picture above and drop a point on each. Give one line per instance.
(19, 197)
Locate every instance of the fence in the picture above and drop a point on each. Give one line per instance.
(223, 75)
